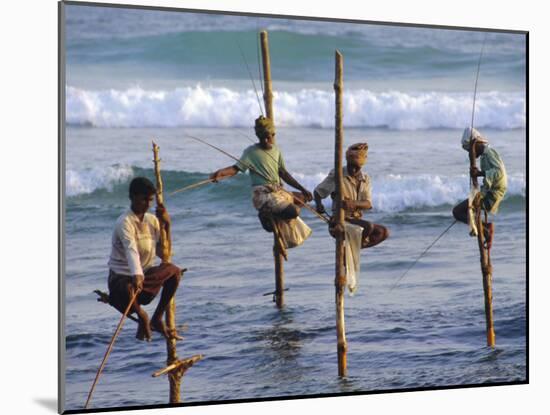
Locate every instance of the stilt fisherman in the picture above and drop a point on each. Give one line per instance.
(495, 180)
(356, 194)
(135, 243)
(267, 172)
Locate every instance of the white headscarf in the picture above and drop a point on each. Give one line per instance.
(471, 133)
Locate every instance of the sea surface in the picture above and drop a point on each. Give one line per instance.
(133, 76)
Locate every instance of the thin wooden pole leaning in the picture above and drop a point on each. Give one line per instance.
(485, 260)
(174, 377)
(110, 347)
(191, 186)
(278, 250)
(340, 278)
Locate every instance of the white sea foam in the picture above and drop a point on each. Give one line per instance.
(79, 182)
(396, 193)
(390, 193)
(222, 107)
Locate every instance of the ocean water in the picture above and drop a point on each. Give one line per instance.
(134, 76)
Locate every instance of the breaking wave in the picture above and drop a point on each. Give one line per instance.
(80, 182)
(200, 106)
(391, 193)
(397, 193)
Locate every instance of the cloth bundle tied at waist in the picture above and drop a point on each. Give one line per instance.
(274, 199)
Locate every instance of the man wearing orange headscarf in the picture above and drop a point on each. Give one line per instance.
(356, 194)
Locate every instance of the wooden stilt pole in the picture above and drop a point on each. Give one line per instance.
(268, 101)
(268, 92)
(340, 279)
(174, 377)
(485, 260)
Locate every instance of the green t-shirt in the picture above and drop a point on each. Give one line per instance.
(266, 162)
(495, 181)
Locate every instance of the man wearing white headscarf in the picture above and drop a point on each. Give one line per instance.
(492, 170)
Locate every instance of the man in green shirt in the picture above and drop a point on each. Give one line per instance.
(267, 169)
(492, 170)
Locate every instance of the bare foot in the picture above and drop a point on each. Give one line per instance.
(144, 331)
(174, 335)
(158, 325)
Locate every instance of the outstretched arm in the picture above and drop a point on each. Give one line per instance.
(224, 173)
(287, 178)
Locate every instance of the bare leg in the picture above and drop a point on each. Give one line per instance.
(460, 211)
(265, 220)
(379, 234)
(144, 330)
(373, 233)
(290, 212)
(168, 290)
(299, 196)
(293, 210)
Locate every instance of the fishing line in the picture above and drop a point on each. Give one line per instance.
(473, 180)
(249, 139)
(477, 77)
(252, 79)
(422, 254)
(251, 168)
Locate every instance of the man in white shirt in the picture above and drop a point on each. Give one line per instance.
(135, 244)
(495, 179)
(356, 193)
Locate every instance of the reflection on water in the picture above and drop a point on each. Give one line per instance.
(282, 345)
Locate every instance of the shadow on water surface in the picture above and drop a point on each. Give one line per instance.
(285, 342)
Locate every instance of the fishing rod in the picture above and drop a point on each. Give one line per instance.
(474, 186)
(472, 179)
(252, 79)
(422, 254)
(110, 347)
(191, 186)
(251, 168)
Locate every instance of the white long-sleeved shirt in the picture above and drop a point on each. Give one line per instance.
(134, 243)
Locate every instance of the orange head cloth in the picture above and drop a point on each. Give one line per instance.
(358, 152)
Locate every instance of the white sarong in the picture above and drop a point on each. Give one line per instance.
(352, 249)
(293, 232)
